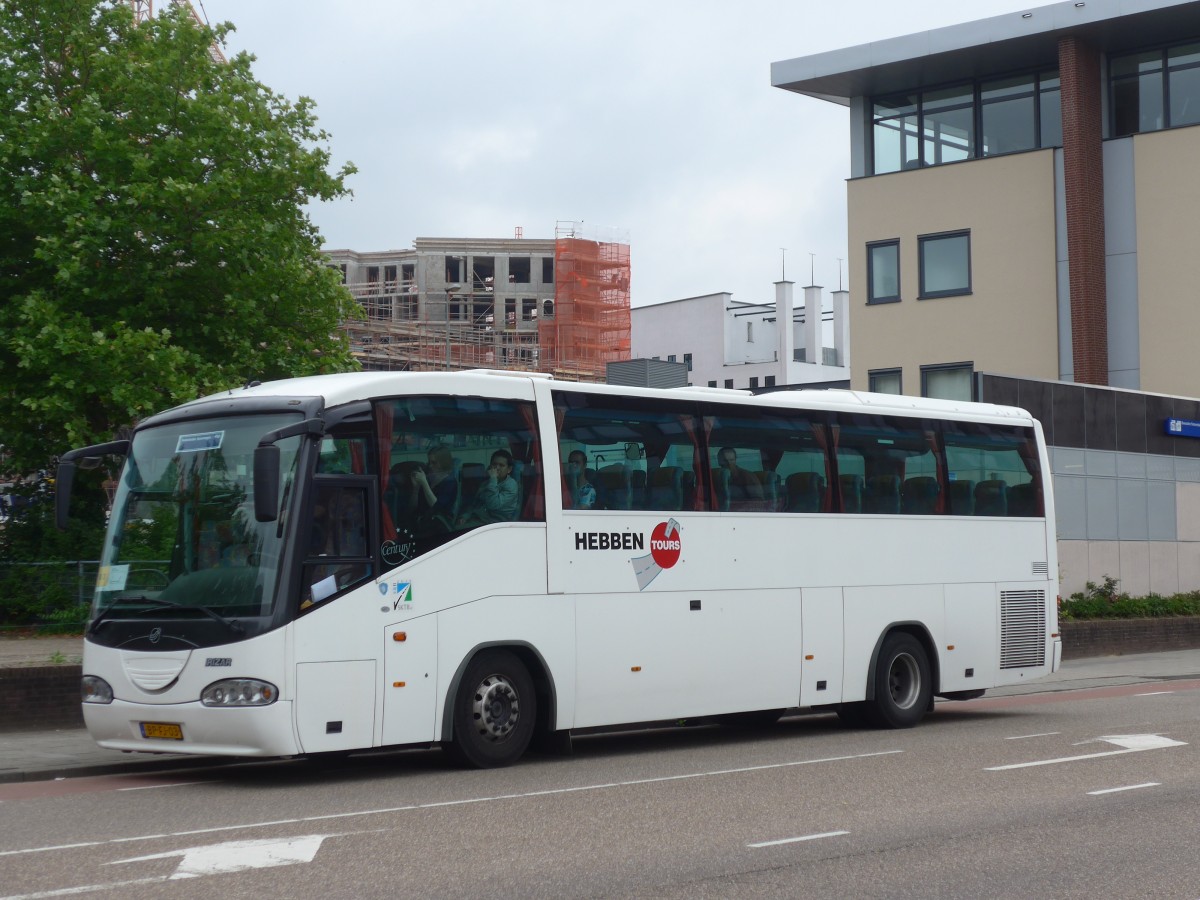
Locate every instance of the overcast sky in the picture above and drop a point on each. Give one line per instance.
(653, 117)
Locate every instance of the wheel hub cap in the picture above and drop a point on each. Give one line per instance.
(497, 708)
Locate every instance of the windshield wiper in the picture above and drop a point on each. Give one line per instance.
(157, 603)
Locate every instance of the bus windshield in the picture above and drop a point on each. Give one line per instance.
(182, 539)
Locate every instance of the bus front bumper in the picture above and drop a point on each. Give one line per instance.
(193, 729)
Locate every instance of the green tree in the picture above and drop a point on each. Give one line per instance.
(154, 243)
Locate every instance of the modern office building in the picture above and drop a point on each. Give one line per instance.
(728, 343)
(1020, 231)
(559, 306)
(1021, 197)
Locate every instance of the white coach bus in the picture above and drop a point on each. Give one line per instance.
(479, 559)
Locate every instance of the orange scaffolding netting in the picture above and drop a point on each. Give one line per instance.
(591, 323)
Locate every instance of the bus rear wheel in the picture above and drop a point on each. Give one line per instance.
(494, 712)
(903, 683)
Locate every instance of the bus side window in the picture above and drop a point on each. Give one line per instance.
(993, 470)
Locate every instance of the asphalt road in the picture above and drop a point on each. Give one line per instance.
(1071, 794)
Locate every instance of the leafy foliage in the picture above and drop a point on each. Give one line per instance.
(1105, 601)
(154, 244)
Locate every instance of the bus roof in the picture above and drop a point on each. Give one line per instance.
(350, 386)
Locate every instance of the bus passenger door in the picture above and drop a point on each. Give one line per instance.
(410, 678)
(821, 633)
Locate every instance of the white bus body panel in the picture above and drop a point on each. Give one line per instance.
(824, 624)
(667, 655)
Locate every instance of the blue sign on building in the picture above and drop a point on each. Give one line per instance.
(1183, 428)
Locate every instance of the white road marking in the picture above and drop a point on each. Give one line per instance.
(1023, 737)
(1153, 693)
(85, 889)
(237, 856)
(155, 787)
(1132, 787)
(465, 802)
(796, 840)
(1130, 743)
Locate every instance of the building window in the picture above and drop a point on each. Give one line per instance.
(883, 272)
(885, 381)
(548, 309)
(983, 118)
(945, 264)
(712, 383)
(547, 270)
(729, 382)
(753, 381)
(687, 361)
(1155, 89)
(518, 270)
(769, 381)
(948, 382)
(671, 357)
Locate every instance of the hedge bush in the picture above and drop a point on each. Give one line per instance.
(1106, 601)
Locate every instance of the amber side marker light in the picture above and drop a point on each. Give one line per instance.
(400, 636)
(635, 668)
(397, 684)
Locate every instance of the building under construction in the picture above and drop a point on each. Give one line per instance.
(559, 306)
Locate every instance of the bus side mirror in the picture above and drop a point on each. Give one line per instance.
(266, 483)
(266, 466)
(66, 474)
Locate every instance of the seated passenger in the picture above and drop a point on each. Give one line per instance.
(743, 485)
(496, 501)
(583, 493)
(436, 491)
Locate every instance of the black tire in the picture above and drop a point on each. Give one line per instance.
(494, 712)
(903, 683)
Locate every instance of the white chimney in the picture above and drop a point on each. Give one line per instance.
(783, 325)
(841, 327)
(812, 324)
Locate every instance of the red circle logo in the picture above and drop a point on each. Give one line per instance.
(664, 547)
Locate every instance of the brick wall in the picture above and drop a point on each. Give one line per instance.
(40, 697)
(1114, 637)
(1083, 185)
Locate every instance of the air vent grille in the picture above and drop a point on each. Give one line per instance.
(1022, 629)
(1041, 568)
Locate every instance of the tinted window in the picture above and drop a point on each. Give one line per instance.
(992, 470)
(638, 453)
(454, 464)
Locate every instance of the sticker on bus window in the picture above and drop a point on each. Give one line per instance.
(194, 443)
(112, 578)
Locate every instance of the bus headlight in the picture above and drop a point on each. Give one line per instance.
(95, 690)
(239, 692)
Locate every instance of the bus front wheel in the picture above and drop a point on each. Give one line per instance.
(494, 712)
(903, 683)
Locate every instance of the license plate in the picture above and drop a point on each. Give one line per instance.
(162, 731)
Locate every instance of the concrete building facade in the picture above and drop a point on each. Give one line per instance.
(1019, 197)
(558, 306)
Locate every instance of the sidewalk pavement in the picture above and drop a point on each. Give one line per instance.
(70, 752)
